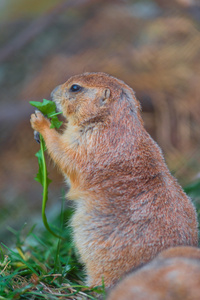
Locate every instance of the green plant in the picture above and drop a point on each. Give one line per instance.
(193, 190)
(48, 108)
(40, 266)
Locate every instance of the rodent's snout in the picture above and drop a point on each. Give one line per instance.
(56, 92)
(56, 96)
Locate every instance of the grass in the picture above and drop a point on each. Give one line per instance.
(41, 266)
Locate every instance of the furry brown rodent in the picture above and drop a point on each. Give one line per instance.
(173, 275)
(128, 207)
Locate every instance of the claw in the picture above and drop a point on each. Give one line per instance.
(36, 111)
(37, 136)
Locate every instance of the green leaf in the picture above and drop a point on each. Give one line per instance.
(55, 123)
(41, 175)
(48, 108)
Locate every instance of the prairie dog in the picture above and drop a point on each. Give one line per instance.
(128, 207)
(173, 275)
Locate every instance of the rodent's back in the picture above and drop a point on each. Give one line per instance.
(173, 275)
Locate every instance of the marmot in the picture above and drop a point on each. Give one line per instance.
(128, 207)
(173, 275)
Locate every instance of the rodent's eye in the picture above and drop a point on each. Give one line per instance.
(75, 88)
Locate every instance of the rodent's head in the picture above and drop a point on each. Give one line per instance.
(88, 98)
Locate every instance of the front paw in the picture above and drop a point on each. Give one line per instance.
(39, 122)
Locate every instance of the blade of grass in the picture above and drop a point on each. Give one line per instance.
(22, 260)
(39, 240)
(2, 255)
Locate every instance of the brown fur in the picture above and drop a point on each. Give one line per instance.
(188, 252)
(173, 275)
(128, 206)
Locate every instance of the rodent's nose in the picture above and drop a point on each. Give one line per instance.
(55, 91)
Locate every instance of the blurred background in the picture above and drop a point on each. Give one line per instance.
(152, 45)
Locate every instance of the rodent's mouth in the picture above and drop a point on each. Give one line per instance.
(55, 97)
(57, 102)
(58, 106)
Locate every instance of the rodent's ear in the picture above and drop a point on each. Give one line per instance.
(105, 96)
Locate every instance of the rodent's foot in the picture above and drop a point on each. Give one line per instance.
(39, 122)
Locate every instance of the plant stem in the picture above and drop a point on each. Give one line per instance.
(45, 190)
